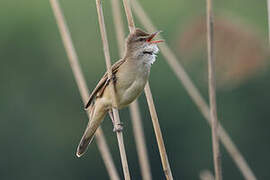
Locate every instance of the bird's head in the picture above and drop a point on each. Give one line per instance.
(141, 44)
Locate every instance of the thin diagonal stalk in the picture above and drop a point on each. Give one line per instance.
(109, 70)
(118, 26)
(105, 153)
(81, 83)
(151, 106)
(140, 141)
(268, 11)
(161, 145)
(131, 24)
(194, 93)
(134, 107)
(212, 89)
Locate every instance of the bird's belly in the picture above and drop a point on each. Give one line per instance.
(132, 92)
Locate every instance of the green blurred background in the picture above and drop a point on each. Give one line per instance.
(42, 115)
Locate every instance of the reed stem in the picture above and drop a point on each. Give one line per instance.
(212, 89)
(81, 83)
(131, 24)
(134, 107)
(109, 70)
(151, 106)
(268, 11)
(194, 93)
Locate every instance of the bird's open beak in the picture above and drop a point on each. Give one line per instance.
(149, 39)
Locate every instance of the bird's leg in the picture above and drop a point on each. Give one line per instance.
(117, 127)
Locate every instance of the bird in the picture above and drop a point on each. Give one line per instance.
(129, 76)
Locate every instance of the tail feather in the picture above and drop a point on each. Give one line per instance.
(85, 141)
(89, 133)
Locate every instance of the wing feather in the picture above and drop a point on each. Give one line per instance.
(102, 84)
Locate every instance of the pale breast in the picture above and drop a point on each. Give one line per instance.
(132, 84)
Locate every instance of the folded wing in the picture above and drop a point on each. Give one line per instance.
(103, 83)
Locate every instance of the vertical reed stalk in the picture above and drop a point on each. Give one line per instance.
(151, 106)
(109, 70)
(194, 93)
(140, 141)
(212, 89)
(131, 24)
(161, 145)
(105, 153)
(134, 107)
(118, 26)
(268, 11)
(81, 83)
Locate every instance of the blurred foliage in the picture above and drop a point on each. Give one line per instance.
(240, 53)
(42, 115)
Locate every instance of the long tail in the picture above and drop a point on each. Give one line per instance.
(94, 123)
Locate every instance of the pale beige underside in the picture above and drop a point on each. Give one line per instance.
(130, 81)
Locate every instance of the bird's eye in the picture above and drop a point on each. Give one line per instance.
(141, 39)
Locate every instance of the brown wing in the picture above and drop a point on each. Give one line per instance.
(103, 83)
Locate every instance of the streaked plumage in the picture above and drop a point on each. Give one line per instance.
(130, 76)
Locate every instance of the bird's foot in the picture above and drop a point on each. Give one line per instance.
(118, 127)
